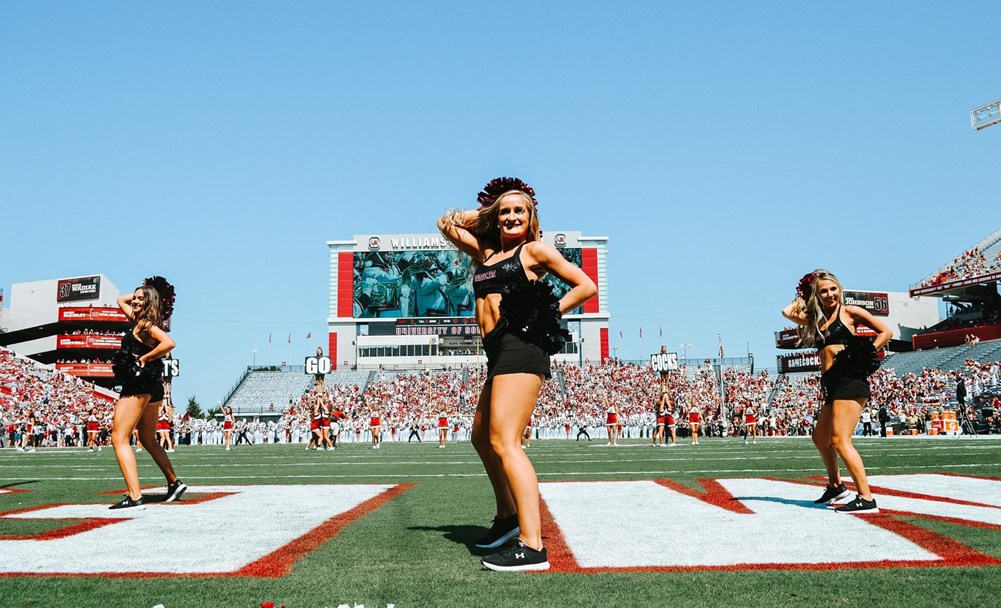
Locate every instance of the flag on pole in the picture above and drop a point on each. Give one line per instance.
(720, 345)
(641, 332)
(309, 335)
(620, 334)
(661, 328)
(269, 337)
(290, 338)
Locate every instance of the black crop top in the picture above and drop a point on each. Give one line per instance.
(498, 277)
(836, 333)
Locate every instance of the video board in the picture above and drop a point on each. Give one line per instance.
(424, 283)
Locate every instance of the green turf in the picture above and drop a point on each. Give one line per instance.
(414, 551)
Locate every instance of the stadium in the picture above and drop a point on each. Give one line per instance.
(395, 527)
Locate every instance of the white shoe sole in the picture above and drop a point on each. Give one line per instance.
(525, 568)
(859, 512)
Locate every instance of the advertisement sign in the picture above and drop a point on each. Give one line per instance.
(92, 314)
(786, 338)
(109, 342)
(799, 362)
(82, 288)
(876, 302)
(423, 283)
(87, 370)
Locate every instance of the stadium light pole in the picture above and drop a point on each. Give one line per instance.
(685, 347)
(985, 116)
(253, 352)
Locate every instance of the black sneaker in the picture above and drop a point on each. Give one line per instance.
(516, 558)
(129, 503)
(859, 505)
(832, 494)
(174, 490)
(502, 530)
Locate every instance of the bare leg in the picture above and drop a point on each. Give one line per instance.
(512, 398)
(822, 434)
(147, 431)
(128, 411)
(846, 416)
(480, 438)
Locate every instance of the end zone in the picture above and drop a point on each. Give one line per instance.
(288, 522)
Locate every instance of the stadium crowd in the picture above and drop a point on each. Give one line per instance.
(972, 263)
(55, 406)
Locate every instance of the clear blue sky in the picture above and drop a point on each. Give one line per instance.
(724, 148)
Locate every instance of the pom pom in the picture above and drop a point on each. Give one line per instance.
(858, 357)
(532, 311)
(499, 186)
(805, 287)
(166, 291)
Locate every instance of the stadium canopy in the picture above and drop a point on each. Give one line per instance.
(978, 265)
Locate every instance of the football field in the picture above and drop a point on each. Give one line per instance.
(719, 524)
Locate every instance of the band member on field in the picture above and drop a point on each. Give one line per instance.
(846, 361)
(519, 319)
(526, 437)
(139, 369)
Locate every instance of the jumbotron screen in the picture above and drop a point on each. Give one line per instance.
(424, 283)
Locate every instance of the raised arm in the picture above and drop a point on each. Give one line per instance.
(795, 313)
(125, 303)
(454, 226)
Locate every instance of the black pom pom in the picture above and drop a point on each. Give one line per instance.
(859, 356)
(531, 310)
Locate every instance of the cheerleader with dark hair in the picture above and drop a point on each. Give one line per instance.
(518, 317)
(138, 367)
(847, 362)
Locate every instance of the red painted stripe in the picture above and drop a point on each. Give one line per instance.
(604, 343)
(274, 565)
(345, 284)
(589, 264)
(953, 553)
(332, 349)
(713, 493)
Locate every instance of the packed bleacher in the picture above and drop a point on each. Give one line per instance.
(576, 397)
(55, 404)
(981, 260)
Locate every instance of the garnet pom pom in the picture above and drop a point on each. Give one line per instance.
(166, 291)
(499, 186)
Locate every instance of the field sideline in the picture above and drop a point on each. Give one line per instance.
(396, 526)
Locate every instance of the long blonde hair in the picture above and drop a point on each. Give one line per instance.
(809, 303)
(485, 226)
(152, 311)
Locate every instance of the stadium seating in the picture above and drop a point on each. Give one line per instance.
(259, 389)
(947, 359)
